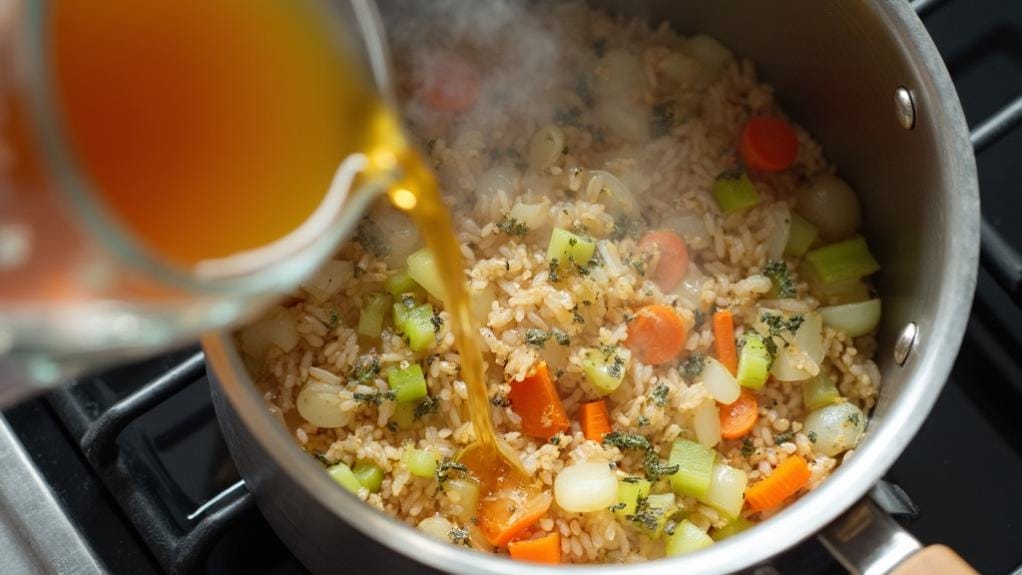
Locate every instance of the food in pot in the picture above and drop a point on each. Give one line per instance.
(669, 282)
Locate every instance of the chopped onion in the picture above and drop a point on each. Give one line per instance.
(706, 423)
(620, 75)
(463, 493)
(800, 358)
(855, 319)
(830, 204)
(835, 428)
(778, 240)
(546, 147)
(678, 70)
(689, 226)
(320, 405)
(276, 329)
(496, 180)
(690, 290)
(719, 382)
(585, 487)
(615, 196)
(534, 216)
(436, 526)
(727, 490)
(711, 54)
(328, 280)
(400, 235)
(627, 118)
(482, 303)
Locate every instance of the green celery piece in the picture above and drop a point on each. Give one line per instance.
(370, 322)
(819, 391)
(686, 539)
(801, 236)
(404, 415)
(419, 329)
(408, 384)
(423, 269)
(733, 527)
(343, 475)
(735, 192)
(846, 260)
(568, 248)
(753, 362)
(664, 505)
(400, 283)
(369, 475)
(628, 493)
(604, 371)
(695, 467)
(420, 462)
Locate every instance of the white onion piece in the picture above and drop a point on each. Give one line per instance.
(603, 187)
(482, 303)
(585, 487)
(320, 405)
(690, 290)
(534, 216)
(855, 319)
(620, 75)
(496, 180)
(688, 226)
(719, 382)
(801, 358)
(276, 329)
(626, 118)
(830, 204)
(436, 526)
(836, 428)
(727, 490)
(778, 240)
(678, 70)
(400, 235)
(711, 54)
(706, 423)
(328, 280)
(463, 493)
(546, 147)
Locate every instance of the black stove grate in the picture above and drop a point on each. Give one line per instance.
(164, 470)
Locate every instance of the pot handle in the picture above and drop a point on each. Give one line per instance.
(866, 541)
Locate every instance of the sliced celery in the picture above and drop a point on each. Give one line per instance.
(727, 490)
(834, 293)
(419, 328)
(605, 368)
(420, 462)
(658, 508)
(404, 415)
(855, 319)
(753, 362)
(343, 475)
(628, 494)
(400, 283)
(801, 236)
(422, 268)
(735, 192)
(733, 527)
(408, 384)
(369, 475)
(686, 539)
(695, 467)
(402, 309)
(819, 391)
(566, 248)
(847, 260)
(370, 322)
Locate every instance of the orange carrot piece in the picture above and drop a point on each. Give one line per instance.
(506, 515)
(786, 480)
(724, 340)
(535, 400)
(671, 261)
(546, 549)
(656, 335)
(595, 419)
(737, 419)
(768, 144)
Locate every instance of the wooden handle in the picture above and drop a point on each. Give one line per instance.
(934, 560)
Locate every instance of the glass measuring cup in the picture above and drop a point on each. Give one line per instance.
(81, 284)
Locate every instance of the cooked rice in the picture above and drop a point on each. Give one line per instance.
(670, 174)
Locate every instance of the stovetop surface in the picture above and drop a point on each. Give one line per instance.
(963, 470)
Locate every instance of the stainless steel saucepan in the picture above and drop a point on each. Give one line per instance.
(865, 78)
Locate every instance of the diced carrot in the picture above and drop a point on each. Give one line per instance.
(448, 83)
(737, 418)
(724, 340)
(535, 400)
(594, 419)
(671, 258)
(768, 144)
(546, 549)
(506, 515)
(786, 480)
(656, 335)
